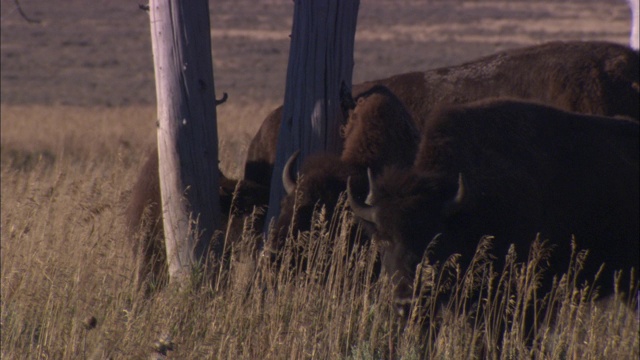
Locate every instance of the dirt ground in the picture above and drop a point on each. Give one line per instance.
(98, 53)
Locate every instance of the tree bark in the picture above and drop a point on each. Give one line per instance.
(634, 38)
(320, 60)
(187, 133)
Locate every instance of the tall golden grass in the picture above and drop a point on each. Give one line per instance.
(67, 289)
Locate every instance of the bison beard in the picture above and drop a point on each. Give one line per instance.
(512, 169)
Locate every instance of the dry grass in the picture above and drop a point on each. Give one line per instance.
(66, 174)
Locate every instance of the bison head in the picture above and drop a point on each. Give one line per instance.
(319, 184)
(380, 132)
(403, 213)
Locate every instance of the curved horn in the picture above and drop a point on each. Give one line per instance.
(456, 204)
(370, 197)
(461, 193)
(362, 210)
(288, 181)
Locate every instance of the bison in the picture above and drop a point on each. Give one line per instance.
(559, 74)
(589, 77)
(597, 78)
(510, 169)
(261, 154)
(143, 217)
(379, 133)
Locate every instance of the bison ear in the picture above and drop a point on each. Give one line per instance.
(458, 202)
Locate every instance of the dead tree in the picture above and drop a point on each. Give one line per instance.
(320, 60)
(187, 133)
(634, 38)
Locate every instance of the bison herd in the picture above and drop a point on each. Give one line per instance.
(536, 141)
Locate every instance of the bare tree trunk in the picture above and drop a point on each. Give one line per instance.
(634, 38)
(320, 60)
(187, 133)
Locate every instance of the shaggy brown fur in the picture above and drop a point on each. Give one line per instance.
(323, 179)
(597, 78)
(379, 133)
(589, 77)
(143, 218)
(526, 169)
(261, 154)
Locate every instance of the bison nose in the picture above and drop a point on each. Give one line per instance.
(268, 255)
(402, 307)
(403, 295)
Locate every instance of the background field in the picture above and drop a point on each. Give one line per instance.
(98, 55)
(77, 116)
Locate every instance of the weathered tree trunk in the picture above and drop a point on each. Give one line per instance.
(320, 60)
(187, 133)
(634, 38)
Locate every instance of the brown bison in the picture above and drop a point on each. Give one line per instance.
(510, 169)
(597, 78)
(261, 154)
(379, 133)
(588, 77)
(143, 217)
(559, 74)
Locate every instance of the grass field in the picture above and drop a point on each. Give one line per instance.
(65, 260)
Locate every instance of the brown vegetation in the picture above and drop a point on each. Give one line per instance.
(64, 263)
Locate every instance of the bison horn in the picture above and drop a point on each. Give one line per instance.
(288, 181)
(455, 204)
(362, 210)
(461, 193)
(370, 198)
